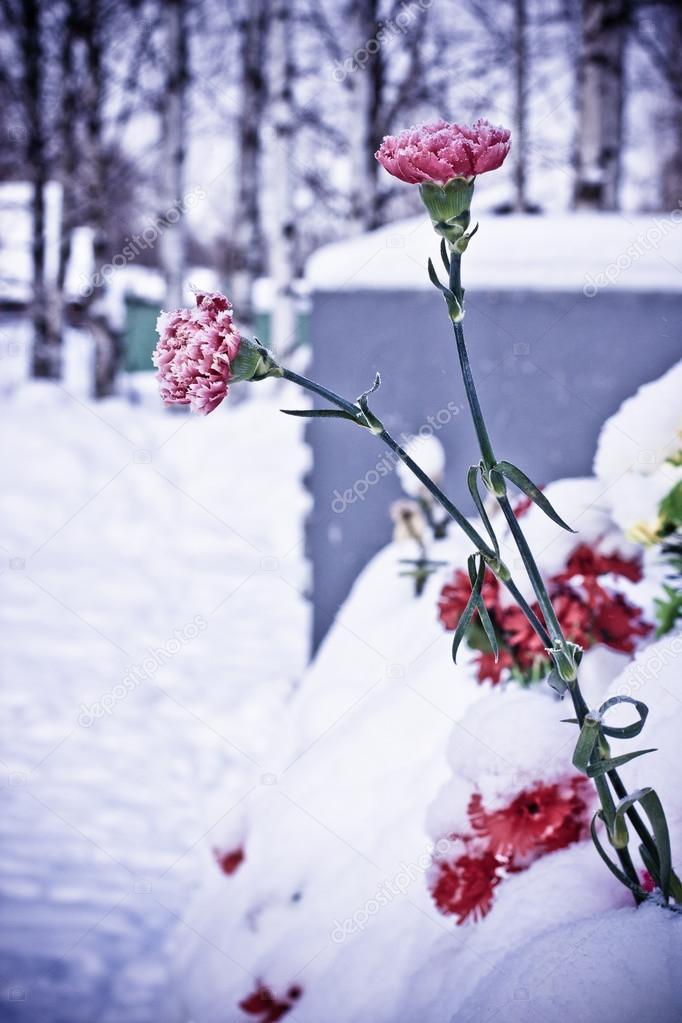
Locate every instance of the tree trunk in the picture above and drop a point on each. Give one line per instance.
(172, 242)
(519, 151)
(105, 336)
(364, 79)
(283, 244)
(46, 351)
(600, 103)
(66, 133)
(247, 233)
(671, 163)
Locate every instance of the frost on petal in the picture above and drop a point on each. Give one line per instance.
(195, 352)
(439, 152)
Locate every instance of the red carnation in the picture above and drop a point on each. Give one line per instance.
(586, 561)
(538, 820)
(464, 887)
(455, 595)
(264, 1004)
(229, 861)
(489, 669)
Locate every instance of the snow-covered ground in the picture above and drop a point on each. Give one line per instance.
(153, 627)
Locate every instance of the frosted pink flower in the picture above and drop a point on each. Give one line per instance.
(195, 352)
(439, 152)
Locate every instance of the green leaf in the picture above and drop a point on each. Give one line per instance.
(670, 508)
(639, 892)
(668, 610)
(488, 625)
(471, 605)
(433, 277)
(555, 682)
(444, 255)
(627, 731)
(454, 307)
(587, 740)
(520, 480)
(472, 481)
(319, 413)
(651, 804)
(603, 766)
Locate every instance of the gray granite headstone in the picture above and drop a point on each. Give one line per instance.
(550, 368)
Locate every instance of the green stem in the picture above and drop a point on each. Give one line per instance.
(476, 413)
(533, 571)
(435, 491)
(537, 582)
(324, 392)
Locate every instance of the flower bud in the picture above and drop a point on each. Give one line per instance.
(254, 362)
(449, 206)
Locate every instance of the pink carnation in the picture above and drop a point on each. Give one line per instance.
(441, 151)
(195, 353)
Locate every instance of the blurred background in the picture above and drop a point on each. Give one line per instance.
(164, 580)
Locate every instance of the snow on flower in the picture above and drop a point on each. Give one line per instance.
(540, 819)
(429, 454)
(195, 352)
(440, 151)
(465, 887)
(589, 613)
(634, 453)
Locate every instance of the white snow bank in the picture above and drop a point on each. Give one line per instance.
(634, 446)
(562, 252)
(616, 967)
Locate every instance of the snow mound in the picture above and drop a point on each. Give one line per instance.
(619, 967)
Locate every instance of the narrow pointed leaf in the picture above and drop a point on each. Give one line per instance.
(594, 770)
(589, 733)
(472, 481)
(520, 480)
(616, 871)
(318, 413)
(651, 804)
(444, 255)
(433, 277)
(626, 731)
(468, 613)
(488, 626)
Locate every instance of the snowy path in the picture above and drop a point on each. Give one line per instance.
(150, 563)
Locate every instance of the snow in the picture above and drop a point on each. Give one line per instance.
(429, 454)
(375, 763)
(555, 252)
(618, 967)
(154, 627)
(634, 447)
(15, 237)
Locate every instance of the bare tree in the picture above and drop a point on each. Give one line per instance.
(247, 233)
(521, 57)
(31, 47)
(600, 103)
(173, 242)
(658, 29)
(283, 243)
